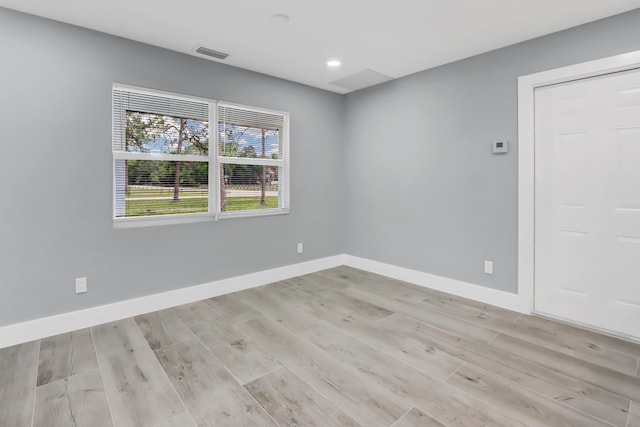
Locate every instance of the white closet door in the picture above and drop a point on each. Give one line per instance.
(587, 198)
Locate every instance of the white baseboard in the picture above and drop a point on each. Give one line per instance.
(483, 294)
(66, 322)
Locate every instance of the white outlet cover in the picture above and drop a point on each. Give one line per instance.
(81, 285)
(488, 267)
(300, 248)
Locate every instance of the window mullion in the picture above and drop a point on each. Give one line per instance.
(214, 164)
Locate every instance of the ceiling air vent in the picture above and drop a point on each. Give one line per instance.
(210, 52)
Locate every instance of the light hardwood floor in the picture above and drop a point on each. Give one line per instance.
(340, 347)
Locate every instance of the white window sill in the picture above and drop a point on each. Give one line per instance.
(146, 221)
(245, 214)
(152, 221)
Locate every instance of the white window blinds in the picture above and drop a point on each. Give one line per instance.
(161, 154)
(169, 159)
(253, 158)
(127, 100)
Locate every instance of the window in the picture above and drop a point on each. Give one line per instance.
(251, 153)
(171, 164)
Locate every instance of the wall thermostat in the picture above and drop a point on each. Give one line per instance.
(499, 147)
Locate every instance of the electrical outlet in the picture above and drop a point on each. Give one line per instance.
(488, 267)
(300, 248)
(81, 285)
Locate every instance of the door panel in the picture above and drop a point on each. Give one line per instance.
(587, 197)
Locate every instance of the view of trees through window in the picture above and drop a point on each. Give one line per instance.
(180, 154)
(248, 186)
(160, 187)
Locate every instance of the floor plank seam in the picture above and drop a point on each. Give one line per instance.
(312, 387)
(69, 377)
(253, 398)
(100, 369)
(175, 390)
(454, 372)
(35, 385)
(71, 352)
(549, 398)
(585, 380)
(184, 406)
(394, 357)
(164, 347)
(223, 367)
(235, 378)
(197, 338)
(385, 317)
(556, 384)
(179, 320)
(438, 311)
(237, 322)
(191, 418)
(402, 416)
(493, 339)
(270, 371)
(586, 329)
(298, 376)
(161, 423)
(260, 405)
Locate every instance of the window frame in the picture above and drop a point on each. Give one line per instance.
(214, 160)
(283, 162)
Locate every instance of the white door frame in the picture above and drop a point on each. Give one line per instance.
(526, 154)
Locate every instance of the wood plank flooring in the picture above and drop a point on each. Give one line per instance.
(341, 347)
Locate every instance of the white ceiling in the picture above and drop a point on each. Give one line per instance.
(392, 37)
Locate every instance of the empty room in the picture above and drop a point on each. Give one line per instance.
(304, 213)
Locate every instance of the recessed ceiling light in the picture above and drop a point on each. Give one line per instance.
(333, 63)
(280, 18)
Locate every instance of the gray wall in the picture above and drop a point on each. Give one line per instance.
(423, 190)
(56, 203)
